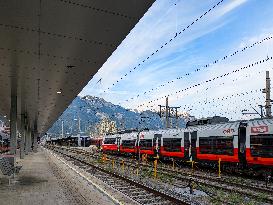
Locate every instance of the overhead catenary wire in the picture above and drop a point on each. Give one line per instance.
(166, 43)
(217, 104)
(205, 89)
(220, 99)
(210, 80)
(222, 84)
(218, 107)
(203, 67)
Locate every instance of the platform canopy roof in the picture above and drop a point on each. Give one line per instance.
(50, 49)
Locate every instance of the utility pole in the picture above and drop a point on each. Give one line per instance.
(62, 129)
(79, 124)
(176, 117)
(169, 113)
(267, 96)
(261, 110)
(268, 101)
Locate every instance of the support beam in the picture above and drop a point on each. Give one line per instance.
(23, 137)
(27, 150)
(35, 143)
(35, 137)
(267, 96)
(13, 123)
(30, 140)
(167, 113)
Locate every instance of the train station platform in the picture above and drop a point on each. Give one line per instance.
(44, 180)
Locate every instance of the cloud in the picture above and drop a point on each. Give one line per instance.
(231, 6)
(218, 34)
(157, 26)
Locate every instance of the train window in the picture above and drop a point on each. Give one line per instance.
(146, 144)
(261, 145)
(128, 144)
(172, 144)
(109, 140)
(221, 145)
(205, 145)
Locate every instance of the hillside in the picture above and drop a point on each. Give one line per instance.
(90, 110)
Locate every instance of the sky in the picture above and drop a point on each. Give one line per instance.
(150, 72)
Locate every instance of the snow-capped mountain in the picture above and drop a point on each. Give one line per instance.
(91, 110)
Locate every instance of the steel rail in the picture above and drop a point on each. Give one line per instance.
(156, 193)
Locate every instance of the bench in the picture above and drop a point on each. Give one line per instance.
(7, 168)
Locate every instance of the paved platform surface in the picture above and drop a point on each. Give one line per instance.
(43, 180)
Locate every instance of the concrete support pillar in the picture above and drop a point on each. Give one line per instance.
(23, 137)
(35, 143)
(27, 140)
(13, 124)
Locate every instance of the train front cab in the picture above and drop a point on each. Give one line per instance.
(175, 144)
(146, 143)
(110, 144)
(215, 142)
(259, 143)
(128, 144)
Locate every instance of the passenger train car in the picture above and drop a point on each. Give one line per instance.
(246, 143)
(128, 143)
(111, 143)
(4, 139)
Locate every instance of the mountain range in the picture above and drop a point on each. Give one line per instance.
(84, 113)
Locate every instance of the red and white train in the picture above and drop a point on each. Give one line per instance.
(247, 143)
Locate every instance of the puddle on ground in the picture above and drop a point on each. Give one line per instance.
(22, 181)
(28, 180)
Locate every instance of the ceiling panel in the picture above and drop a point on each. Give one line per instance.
(58, 45)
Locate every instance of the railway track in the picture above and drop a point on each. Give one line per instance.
(186, 171)
(250, 188)
(135, 190)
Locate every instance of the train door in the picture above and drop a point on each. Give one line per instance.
(118, 143)
(193, 146)
(157, 143)
(187, 145)
(242, 143)
(138, 145)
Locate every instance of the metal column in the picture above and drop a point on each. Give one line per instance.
(27, 140)
(167, 113)
(13, 124)
(30, 140)
(23, 137)
(268, 100)
(35, 143)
